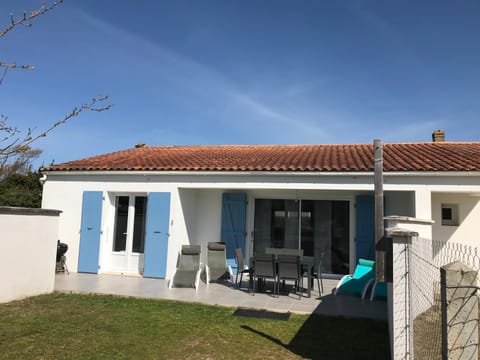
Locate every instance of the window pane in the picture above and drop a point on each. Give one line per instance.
(325, 234)
(278, 223)
(121, 220)
(324, 227)
(340, 237)
(139, 224)
(447, 214)
(291, 225)
(262, 225)
(307, 226)
(322, 232)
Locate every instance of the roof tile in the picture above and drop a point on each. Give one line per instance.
(431, 156)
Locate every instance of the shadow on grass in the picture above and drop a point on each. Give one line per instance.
(336, 337)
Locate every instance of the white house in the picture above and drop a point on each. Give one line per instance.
(130, 211)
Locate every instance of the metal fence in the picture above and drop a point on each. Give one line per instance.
(425, 257)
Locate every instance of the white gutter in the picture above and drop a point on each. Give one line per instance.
(205, 173)
(250, 173)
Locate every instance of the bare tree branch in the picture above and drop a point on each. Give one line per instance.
(15, 146)
(19, 145)
(15, 66)
(25, 20)
(5, 70)
(8, 66)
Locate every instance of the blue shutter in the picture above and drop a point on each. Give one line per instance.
(365, 227)
(234, 206)
(90, 232)
(156, 235)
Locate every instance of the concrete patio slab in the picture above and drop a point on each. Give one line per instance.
(224, 294)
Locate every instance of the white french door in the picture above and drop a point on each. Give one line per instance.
(128, 240)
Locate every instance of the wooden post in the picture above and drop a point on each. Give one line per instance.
(379, 230)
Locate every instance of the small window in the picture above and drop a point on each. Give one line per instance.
(450, 214)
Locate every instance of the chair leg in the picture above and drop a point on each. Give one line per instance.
(66, 268)
(301, 288)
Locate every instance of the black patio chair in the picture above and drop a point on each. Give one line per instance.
(289, 269)
(241, 268)
(264, 267)
(311, 267)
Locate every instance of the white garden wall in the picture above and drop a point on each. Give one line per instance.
(28, 246)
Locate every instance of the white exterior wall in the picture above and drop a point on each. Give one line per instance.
(28, 247)
(201, 220)
(67, 195)
(468, 215)
(195, 209)
(423, 210)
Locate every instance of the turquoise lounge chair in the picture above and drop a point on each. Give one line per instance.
(359, 281)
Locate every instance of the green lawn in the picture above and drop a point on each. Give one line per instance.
(64, 326)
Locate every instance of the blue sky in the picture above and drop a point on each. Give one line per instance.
(244, 72)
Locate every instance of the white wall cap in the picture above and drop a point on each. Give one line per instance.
(407, 220)
(397, 231)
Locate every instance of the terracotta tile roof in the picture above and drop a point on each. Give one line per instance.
(431, 156)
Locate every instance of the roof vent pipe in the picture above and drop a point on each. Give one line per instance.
(438, 136)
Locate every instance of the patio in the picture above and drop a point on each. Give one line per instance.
(224, 294)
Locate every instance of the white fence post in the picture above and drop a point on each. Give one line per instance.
(401, 230)
(400, 315)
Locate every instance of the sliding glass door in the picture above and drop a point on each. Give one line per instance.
(319, 227)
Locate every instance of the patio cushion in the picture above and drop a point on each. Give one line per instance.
(191, 249)
(188, 267)
(216, 261)
(216, 246)
(185, 278)
(216, 274)
(365, 262)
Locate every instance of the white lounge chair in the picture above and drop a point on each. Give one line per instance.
(216, 267)
(188, 268)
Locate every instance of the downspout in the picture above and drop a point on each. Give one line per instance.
(43, 179)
